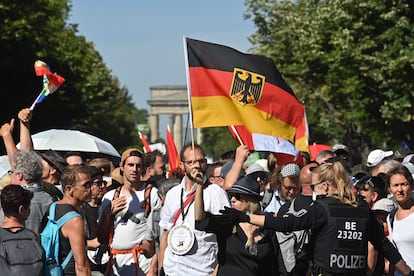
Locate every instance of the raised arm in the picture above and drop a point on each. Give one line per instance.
(6, 132)
(25, 115)
(242, 152)
(199, 213)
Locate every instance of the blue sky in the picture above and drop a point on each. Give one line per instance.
(142, 41)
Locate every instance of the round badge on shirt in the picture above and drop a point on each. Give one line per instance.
(180, 239)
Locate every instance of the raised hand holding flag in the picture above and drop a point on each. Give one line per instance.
(51, 81)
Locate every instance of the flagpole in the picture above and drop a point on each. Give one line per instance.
(45, 84)
(237, 135)
(190, 113)
(35, 101)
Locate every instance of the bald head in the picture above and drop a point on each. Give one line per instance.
(305, 178)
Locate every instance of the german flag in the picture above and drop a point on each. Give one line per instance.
(302, 135)
(228, 87)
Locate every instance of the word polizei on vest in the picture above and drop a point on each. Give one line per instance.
(348, 261)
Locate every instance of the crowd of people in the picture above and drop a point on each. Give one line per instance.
(322, 216)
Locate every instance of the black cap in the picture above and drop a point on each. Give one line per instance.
(54, 159)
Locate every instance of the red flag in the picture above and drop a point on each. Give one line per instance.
(41, 68)
(317, 148)
(55, 81)
(244, 89)
(173, 157)
(284, 151)
(144, 142)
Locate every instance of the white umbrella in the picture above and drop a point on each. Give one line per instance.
(4, 165)
(71, 140)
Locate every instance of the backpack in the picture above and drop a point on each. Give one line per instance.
(20, 253)
(292, 244)
(50, 241)
(267, 197)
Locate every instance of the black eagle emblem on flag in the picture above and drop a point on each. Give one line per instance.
(247, 87)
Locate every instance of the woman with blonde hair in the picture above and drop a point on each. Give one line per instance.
(244, 248)
(341, 225)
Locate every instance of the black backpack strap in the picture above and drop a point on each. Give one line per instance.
(392, 217)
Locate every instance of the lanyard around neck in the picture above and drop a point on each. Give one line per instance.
(187, 202)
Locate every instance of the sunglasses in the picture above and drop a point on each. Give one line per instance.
(99, 183)
(314, 184)
(86, 185)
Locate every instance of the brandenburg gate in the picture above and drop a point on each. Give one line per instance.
(171, 100)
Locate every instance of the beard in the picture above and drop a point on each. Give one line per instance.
(196, 175)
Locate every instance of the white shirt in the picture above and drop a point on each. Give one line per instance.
(128, 234)
(202, 258)
(275, 203)
(402, 235)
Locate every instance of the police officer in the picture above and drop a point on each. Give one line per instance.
(341, 226)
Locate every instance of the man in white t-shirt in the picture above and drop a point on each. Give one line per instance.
(133, 240)
(184, 257)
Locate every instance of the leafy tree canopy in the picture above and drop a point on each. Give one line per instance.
(350, 61)
(216, 141)
(91, 99)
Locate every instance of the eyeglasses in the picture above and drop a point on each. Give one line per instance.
(200, 161)
(314, 184)
(236, 196)
(217, 176)
(99, 183)
(289, 187)
(397, 185)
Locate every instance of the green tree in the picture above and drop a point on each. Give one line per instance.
(91, 99)
(350, 61)
(216, 141)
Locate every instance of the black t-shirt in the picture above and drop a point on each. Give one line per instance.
(233, 257)
(90, 217)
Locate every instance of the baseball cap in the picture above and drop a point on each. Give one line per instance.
(290, 170)
(401, 153)
(384, 205)
(376, 156)
(255, 167)
(337, 147)
(408, 162)
(130, 152)
(116, 176)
